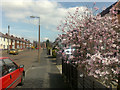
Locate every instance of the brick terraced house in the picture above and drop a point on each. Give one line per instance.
(12, 42)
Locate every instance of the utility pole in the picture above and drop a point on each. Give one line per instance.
(39, 43)
(8, 36)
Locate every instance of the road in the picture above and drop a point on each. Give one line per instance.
(25, 57)
(39, 75)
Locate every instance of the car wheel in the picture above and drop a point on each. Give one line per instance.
(22, 79)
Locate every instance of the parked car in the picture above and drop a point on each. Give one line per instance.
(32, 47)
(13, 51)
(71, 50)
(68, 51)
(37, 48)
(11, 74)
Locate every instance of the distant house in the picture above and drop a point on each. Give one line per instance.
(4, 41)
(11, 42)
(118, 11)
(107, 10)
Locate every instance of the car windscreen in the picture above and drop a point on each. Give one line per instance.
(0, 62)
(0, 67)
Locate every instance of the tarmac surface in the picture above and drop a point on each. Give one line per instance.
(43, 74)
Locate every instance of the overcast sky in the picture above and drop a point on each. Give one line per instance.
(16, 13)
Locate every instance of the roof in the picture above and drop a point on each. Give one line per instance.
(107, 10)
(118, 4)
(14, 38)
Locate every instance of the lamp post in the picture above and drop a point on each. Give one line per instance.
(38, 37)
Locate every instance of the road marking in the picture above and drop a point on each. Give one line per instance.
(32, 68)
(28, 69)
(59, 68)
(36, 67)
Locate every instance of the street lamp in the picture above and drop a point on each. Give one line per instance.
(38, 37)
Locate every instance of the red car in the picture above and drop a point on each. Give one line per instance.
(37, 48)
(10, 73)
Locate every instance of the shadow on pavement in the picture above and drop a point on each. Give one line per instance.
(53, 61)
(49, 57)
(57, 81)
(33, 83)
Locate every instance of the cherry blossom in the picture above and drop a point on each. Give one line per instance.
(97, 40)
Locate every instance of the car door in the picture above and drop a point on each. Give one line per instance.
(5, 78)
(14, 72)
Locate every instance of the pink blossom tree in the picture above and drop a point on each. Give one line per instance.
(98, 39)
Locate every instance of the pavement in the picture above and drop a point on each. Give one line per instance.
(44, 74)
(59, 68)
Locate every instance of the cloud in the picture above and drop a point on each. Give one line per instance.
(50, 12)
(21, 10)
(83, 0)
(70, 0)
(44, 39)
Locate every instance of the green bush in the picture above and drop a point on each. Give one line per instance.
(54, 52)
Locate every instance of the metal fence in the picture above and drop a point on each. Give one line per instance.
(70, 73)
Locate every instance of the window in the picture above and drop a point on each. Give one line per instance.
(4, 39)
(4, 46)
(10, 65)
(0, 38)
(0, 68)
(3, 69)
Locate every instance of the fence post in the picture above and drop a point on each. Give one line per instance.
(62, 66)
(118, 88)
(77, 77)
(93, 84)
(70, 75)
(83, 82)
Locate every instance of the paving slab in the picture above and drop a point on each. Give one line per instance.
(44, 74)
